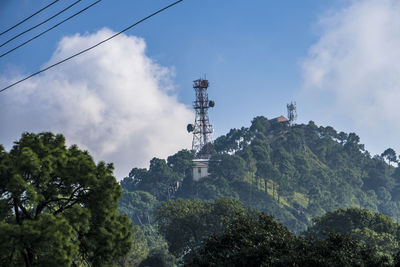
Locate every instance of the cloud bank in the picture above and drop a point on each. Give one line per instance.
(352, 73)
(113, 101)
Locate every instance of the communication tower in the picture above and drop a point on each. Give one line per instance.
(202, 129)
(292, 112)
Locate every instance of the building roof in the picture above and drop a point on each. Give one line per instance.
(200, 165)
(279, 119)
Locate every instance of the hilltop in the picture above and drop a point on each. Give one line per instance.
(294, 173)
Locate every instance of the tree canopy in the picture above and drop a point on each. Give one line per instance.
(258, 240)
(294, 173)
(185, 223)
(58, 207)
(374, 229)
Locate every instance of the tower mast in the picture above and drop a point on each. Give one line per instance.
(202, 129)
(292, 112)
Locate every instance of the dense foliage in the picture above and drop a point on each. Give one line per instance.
(294, 173)
(374, 229)
(57, 207)
(260, 241)
(185, 223)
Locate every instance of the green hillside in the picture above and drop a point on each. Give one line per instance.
(293, 173)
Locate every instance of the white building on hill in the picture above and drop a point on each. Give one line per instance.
(200, 169)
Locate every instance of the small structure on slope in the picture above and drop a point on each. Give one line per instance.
(280, 119)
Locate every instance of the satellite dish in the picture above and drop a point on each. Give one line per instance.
(211, 104)
(190, 128)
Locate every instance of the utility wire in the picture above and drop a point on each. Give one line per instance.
(41, 23)
(49, 29)
(94, 46)
(34, 14)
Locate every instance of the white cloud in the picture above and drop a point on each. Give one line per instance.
(352, 73)
(114, 101)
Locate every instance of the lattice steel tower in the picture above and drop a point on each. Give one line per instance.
(202, 129)
(292, 112)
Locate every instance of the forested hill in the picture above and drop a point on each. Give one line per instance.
(293, 173)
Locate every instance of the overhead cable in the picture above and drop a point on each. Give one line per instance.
(49, 29)
(41, 23)
(34, 14)
(91, 47)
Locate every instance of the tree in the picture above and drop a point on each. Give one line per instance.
(181, 162)
(139, 206)
(260, 124)
(255, 240)
(135, 177)
(139, 250)
(373, 229)
(160, 180)
(336, 250)
(159, 257)
(58, 208)
(185, 223)
(232, 141)
(390, 155)
(227, 166)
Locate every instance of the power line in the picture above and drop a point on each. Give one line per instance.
(41, 23)
(34, 14)
(49, 29)
(90, 48)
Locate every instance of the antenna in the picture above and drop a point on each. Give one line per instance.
(202, 129)
(292, 112)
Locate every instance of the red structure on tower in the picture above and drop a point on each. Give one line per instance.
(202, 129)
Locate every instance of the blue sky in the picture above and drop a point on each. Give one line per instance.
(258, 55)
(250, 51)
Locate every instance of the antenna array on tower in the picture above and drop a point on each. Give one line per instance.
(202, 129)
(292, 112)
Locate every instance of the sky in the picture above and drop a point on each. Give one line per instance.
(130, 99)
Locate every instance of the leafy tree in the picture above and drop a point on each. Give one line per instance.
(342, 137)
(260, 241)
(248, 240)
(58, 207)
(160, 180)
(345, 220)
(352, 144)
(185, 223)
(136, 176)
(374, 229)
(385, 243)
(227, 166)
(159, 257)
(139, 250)
(140, 207)
(390, 155)
(232, 141)
(336, 250)
(378, 176)
(383, 194)
(260, 124)
(181, 162)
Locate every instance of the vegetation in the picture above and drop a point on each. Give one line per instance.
(57, 207)
(374, 229)
(185, 223)
(261, 241)
(334, 204)
(294, 173)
